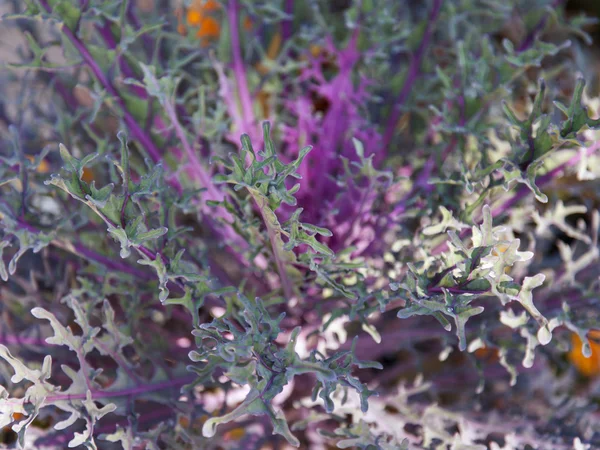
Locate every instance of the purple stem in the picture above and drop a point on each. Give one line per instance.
(110, 263)
(286, 25)
(239, 70)
(82, 250)
(532, 35)
(368, 348)
(129, 392)
(196, 168)
(412, 75)
(9, 339)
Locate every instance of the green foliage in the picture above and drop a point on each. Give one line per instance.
(252, 357)
(211, 212)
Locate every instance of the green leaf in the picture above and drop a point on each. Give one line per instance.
(69, 13)
(161, 271)
(150, 235)
(161, 88)
(121, 236)
(316, 230)
(3, 272)
(577, 116)
(72, 163)
(460, 320)
(99, 197)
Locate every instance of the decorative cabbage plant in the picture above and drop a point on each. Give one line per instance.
(251, 224)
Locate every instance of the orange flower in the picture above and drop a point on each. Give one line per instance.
(208, 30)
(194, 17)
(198, 16)
(589, 367)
